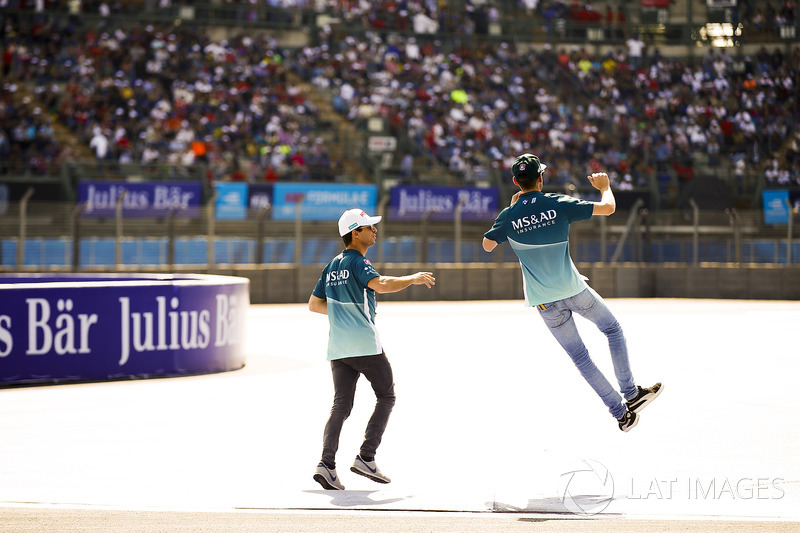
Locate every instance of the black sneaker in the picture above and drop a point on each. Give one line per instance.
(628, 421)
(643, 397)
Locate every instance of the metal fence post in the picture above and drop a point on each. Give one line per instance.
(457, 228)
(381, 213)
(262, 214)
(733, 216)
(423, 251)
(603, 238)
(211, 212)
(789, 234)
(23, 227)
(171, 237)
(118, 219)
(76, 236)
(695, 232)
(633, 219)
(648, 243)
(298, 230)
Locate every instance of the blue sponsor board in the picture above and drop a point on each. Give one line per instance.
(412, 202)
(321, 201)
(231, 202)
(147, 199)
(96, 327)
(776, 206)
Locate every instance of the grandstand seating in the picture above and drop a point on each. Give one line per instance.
(160, 93)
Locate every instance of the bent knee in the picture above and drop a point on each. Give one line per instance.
(612, 329)
(342, 409)
(387, 398)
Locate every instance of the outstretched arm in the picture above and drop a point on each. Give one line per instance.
(386, 284)
(607, 204)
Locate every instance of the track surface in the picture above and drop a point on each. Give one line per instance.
(494, 430)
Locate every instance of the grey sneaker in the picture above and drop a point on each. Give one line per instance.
(369, 469)
(628, 421)
(327, 477)
(644, 397)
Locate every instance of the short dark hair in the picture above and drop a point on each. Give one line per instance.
(526, 181)
(347, 238)
(526, 178)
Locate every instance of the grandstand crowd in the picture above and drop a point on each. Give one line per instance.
(150, 94)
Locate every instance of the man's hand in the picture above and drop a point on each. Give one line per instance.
(424, 278)
(607, 204)
(515, 198)
(599, 181)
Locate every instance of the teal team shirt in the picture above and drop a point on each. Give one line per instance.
(537, 228)
(351, 306)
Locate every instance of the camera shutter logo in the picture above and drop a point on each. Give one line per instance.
(587, 490)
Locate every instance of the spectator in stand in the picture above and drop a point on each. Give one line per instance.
(407, 168)
(635, 51)
(99, 144)
(123, 81)
(238, 174)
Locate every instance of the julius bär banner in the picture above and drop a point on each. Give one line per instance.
(55, 328)
(146, 199)
(440, 203)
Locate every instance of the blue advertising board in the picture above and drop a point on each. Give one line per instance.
(776, 206)
(145, 199)
(412, 202)
(231, 201)
(97, 327)
(321, 201)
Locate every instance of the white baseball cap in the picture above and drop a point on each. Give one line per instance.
(355, 218)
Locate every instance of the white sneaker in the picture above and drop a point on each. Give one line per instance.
(327, 478)
(369, 469)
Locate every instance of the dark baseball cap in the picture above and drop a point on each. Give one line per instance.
(529, 165)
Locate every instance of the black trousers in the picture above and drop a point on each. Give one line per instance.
(378, 371)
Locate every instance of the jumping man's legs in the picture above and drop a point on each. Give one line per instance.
(591, 306)
(558, 317)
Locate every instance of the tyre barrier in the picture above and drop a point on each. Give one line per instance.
(95, 327)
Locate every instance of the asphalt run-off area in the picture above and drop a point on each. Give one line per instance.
(493, 430)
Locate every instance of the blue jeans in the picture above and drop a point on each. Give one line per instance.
(588, 304)
(378, 371)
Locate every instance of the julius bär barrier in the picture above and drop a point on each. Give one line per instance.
(96, 327)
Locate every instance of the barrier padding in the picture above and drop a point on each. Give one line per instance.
(90, 327)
